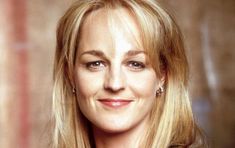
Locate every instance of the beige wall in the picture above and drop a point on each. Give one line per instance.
(27, 42)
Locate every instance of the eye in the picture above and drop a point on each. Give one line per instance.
(95, 65)
(136, 66)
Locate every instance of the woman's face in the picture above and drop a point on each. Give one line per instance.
(116, 86)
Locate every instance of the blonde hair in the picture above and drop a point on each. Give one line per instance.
(172, 123)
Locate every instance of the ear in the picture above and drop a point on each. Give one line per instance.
(162, 80)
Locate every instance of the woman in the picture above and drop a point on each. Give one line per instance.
(121, 78)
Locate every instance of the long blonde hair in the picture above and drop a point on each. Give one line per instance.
(172, 123)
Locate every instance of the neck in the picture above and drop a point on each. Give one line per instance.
(126, 139)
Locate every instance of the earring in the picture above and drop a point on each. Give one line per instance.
(74, 90)
(159, 91)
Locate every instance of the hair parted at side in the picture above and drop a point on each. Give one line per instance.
(172, 122)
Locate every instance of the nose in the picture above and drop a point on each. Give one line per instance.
(115, 80)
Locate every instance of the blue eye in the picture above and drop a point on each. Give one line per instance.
(134, 65)
(95, 65)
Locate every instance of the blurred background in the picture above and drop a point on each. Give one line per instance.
(27, 44)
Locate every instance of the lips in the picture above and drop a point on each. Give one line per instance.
(115, 103)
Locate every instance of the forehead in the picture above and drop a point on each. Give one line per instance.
(109, 26)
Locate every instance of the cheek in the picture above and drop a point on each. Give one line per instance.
(87, 84)
(144, 84)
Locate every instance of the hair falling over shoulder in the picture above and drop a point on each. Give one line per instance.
(172, 123)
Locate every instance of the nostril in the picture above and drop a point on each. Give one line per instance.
(114, 83)
(112, 90)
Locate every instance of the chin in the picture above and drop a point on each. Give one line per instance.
(113, 130)
(113, 127)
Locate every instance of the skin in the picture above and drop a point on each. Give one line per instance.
(112, 64)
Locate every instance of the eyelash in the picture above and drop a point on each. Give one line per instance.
(98, 65)
(135, 65)
(95, 65)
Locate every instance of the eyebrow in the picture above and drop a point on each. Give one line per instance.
(135, 52)
(94, 52)
(101, 53)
